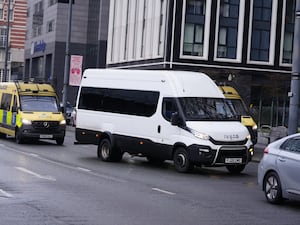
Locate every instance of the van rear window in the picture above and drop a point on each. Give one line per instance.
(131, 102)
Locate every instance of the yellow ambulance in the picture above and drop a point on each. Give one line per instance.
(235, 100)
(30, 111)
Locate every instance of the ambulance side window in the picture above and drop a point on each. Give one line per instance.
(6, 101)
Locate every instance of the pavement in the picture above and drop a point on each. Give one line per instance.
(259, 147)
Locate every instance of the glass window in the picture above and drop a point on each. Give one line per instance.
(131, 102)
(169, 107)
(39, 104)
(6, 101)
(288, 48)
(291, 145)
(228, 29)
(195, 7)
(193, 39)
(198, 109)
(261, 28)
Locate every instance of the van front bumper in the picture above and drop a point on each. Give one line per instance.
(224, 155)
(43, 132)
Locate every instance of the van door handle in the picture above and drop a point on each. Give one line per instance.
(158, 129)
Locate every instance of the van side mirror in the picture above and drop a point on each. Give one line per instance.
(176, 119)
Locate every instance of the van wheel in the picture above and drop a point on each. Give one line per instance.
(60, 141)
(272, 188)
(181, 161)
(235, 169)
(19, 138)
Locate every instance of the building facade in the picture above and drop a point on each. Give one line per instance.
(14, 61)
(47, 25)
(245, 43)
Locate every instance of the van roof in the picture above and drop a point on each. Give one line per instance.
(173, 83)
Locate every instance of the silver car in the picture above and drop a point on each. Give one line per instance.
(279, 170)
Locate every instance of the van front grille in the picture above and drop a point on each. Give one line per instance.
(45, 125)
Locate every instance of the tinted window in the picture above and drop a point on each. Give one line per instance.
(291, 145)
(169, 107)
(5, 101)
(131, 102)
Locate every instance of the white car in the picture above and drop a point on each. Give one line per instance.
(279, 170)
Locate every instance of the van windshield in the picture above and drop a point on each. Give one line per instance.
(197, 109)
(39, 104)
(238, 106)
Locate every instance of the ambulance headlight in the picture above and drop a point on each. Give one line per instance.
(26, 122)
(199, 135)
(63, 122)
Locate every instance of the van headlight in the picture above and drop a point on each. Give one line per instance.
(63, 122)
(248, 137)
(254, 127)
(199, 135)
(26, 122)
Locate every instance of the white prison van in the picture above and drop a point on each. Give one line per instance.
(161, 115)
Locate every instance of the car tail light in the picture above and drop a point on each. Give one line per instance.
(266, 150)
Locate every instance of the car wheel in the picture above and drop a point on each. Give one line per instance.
(181, 161)
(60, 141)
(272, 188)
(235, 169)
(19, 138)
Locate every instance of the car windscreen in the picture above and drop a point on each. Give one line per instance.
(39, 104)
(198, 109)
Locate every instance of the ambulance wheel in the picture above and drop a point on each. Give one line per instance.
(19, 138)
(181, 160)
(60, 141)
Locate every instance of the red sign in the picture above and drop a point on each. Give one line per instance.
(75, 70)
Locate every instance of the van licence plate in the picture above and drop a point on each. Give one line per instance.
(233, 160)
(46, 136)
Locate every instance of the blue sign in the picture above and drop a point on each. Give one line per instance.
(39, 46)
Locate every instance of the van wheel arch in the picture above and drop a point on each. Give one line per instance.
(111, 153)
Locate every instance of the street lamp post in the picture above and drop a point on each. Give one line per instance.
(295, 78)
(67, 59)
(5, 77)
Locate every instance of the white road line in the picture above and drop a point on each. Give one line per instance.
(35, 174)
(163, 191)
(83, 169)
(6, 194)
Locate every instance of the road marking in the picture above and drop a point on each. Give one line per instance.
(35, 174)
(5, 194)
(99, 175)
(83, 169)
(163, 191)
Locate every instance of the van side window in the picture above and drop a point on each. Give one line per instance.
(6, 101)
(131, 102)
(168, 108)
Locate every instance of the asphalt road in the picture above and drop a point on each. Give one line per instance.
(42, 183)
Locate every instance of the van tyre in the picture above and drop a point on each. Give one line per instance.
(235, 169)
(19, 138)
(181, 161)
(108, 154)
(272, 188)
(60, 141)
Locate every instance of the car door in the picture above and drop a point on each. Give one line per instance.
(288, 163)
